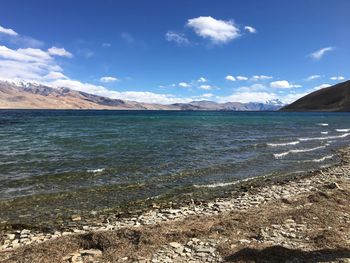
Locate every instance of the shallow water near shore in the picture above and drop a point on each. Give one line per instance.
(57, 163)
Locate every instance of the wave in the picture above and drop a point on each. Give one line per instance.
(324, 132)
(323, 138)
(280, 155)
(214, 185)
(343, 130)
(322, 124)
(100, 170)
(322, 159)
(283, 144)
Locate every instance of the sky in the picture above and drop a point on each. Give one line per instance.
(178, 51)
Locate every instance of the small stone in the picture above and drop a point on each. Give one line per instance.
(11, 236)
(76, 218)
(245, 241)
(289, 221)
(292, 235)
(333, 185)
(175, 244)
(76, 258)
(66, 258)
(15, 245)
(25, 232)
(91, 252)
(206, 250)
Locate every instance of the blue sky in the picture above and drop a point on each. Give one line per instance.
(177, 51)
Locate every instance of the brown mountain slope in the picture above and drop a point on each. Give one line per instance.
(334, 98)
(32, 96)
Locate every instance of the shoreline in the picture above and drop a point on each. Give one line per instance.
(251, 194)
(134, 209)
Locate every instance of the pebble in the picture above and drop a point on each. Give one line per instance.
(76, 218)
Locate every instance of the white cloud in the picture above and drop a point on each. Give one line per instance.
(283, 84)
(317, 55)
(202, 80)
(207, 95)
(218, 31)
(257, 87)
(250, 29)
(205, 87)
(260, 97)
(322, 86)
(167, 86)
(61, 52)
(26, 64)
(127, 37)
(230, 78)
(337, 78)
(85, 52)
(8, 35)
(25, 41)
(184, 85)
(260, 77)
(24, 54)
(176, 37)
(313, 77)
(245, 97)
(106, 44)
(241, 78)
(55, 75)
(291, 97)
(8, 31)
(108, 79)
(139, 96)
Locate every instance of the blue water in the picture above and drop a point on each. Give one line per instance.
(109, 157)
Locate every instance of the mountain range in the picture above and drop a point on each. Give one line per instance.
(26, 95)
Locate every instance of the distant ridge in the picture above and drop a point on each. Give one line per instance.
(334, 98)
(26, 95)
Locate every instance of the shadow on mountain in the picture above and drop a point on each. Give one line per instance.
(277, 254)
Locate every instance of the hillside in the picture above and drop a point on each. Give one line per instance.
(334, 98)
(37, 96)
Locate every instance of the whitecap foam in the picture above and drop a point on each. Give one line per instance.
(322, 124)
(321, 159)
(100, 170)
(323, 138)
(324, 132)
(280, 155)
(282, 144)
(343, 130)
(214, 185)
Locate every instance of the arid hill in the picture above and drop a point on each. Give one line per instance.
(334, 98)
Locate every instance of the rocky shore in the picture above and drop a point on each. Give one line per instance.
(305, 219)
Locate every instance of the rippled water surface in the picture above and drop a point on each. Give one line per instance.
(104, 158)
